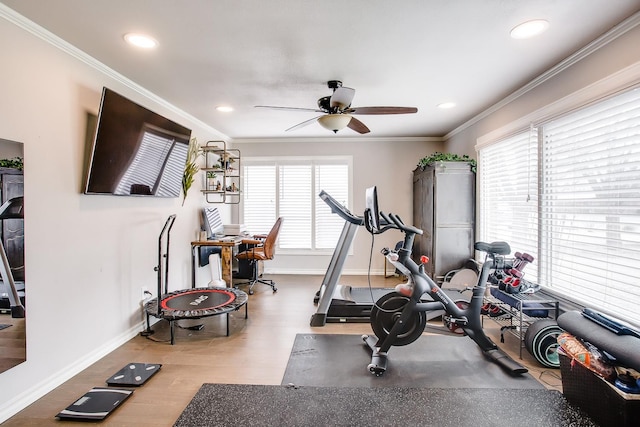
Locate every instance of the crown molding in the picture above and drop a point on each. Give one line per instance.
(624, 79)
(324, 140)
(611, 35)
(31, 27)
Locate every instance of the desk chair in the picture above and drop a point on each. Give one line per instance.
(260, 248)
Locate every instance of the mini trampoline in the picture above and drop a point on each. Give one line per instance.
(194, 303)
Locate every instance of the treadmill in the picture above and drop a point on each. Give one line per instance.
(343, 303)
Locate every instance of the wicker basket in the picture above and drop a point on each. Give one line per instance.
(604, 403)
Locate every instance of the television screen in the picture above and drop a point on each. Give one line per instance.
(135, 152)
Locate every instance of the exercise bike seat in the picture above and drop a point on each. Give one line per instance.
(497, 248)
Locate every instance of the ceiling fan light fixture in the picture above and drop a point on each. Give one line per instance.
(334, 122)
(529, 29)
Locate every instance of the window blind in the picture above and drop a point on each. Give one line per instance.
(295, 195)
(508, 194)
(259, 198)
(590, 206)
(334, 179)
(290, 188)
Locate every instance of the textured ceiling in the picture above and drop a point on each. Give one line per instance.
(416, 53)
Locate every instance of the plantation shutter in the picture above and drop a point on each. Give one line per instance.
(259, 198)
(334, 179)
(289, 187)
(591, 205)
(508, 195)
(295, 205)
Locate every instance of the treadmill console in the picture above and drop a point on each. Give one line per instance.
(339, 209)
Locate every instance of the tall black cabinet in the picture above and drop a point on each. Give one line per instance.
(444, 208)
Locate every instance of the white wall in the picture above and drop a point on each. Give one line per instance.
(385, 163)
(86, 256)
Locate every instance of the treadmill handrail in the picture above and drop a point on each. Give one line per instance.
(339, 209)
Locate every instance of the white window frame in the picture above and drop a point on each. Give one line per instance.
(316, 202)
(601, 293)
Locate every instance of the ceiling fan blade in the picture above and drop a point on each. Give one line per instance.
(342, 97)
(315, 110)
(358, 126)
(382, 110)
(303, 124)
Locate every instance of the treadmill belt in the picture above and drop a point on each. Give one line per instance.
(363, 295)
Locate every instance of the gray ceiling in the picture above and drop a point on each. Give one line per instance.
(415, 53)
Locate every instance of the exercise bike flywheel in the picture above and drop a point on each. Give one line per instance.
(387, 310)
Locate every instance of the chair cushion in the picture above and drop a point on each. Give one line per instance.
(256, 253)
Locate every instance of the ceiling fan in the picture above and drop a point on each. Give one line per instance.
(338, 112)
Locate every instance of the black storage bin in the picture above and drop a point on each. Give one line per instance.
(601, 400)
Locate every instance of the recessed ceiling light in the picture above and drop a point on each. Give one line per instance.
(140, 40)
(224, 109)
(529, 29)
(446, 105)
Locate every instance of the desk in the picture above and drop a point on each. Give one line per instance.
(226, 258)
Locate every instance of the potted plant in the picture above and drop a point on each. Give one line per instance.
(447, 157)
(14, 163)
(211, 180)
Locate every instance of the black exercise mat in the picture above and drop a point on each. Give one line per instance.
(264, 405)
(432, 361)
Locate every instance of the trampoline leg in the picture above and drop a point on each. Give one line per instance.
(227, 324)
(246, 310)
(172, 331)
(148, 331)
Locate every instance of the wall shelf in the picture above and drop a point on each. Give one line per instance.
(221, 173)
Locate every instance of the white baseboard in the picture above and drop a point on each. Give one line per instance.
(26, 398)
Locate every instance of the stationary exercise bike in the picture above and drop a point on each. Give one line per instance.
(399, 318)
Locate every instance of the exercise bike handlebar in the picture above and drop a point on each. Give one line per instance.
(392, 218)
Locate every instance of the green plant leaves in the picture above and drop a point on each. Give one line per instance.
(447, 157)
(191, 168)
(15, 163)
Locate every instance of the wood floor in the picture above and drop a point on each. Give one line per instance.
(256, 352)
(13, 349)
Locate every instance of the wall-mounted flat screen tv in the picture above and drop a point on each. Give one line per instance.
(135, 152)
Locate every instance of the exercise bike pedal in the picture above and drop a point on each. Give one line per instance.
(378, 364)
(376, 370)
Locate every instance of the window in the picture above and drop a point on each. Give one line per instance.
(289, 187)
(508, 210)
(588, 214)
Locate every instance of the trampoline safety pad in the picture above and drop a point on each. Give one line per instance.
(196, 303)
